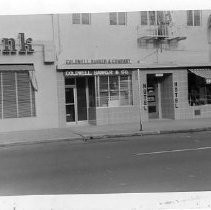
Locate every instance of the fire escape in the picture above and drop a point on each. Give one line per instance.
(161, 35)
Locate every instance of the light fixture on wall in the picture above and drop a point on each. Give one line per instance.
(159, 75)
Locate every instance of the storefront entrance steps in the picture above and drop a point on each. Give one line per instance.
(77, 134)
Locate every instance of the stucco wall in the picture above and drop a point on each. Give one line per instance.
(39, 28)
(101, 40)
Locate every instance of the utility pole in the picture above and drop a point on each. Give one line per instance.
(139, 93)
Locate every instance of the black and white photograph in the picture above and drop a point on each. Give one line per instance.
(105, 105)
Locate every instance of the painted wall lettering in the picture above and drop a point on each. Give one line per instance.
(24, 46)
(145, 95)
(97, 61)
(175, 95)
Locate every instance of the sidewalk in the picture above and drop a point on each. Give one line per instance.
(88, 132)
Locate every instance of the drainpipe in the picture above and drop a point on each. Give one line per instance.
(139, 93)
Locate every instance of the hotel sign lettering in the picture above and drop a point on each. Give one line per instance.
(97, 61)
(176, 95)
(24, 47)
(96, 73)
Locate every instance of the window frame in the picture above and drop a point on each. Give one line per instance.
(110, 91)
(196, 86)
(191, 18)
(116, 20)
(81, 18)
(148, 14)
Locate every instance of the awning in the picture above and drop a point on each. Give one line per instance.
(33, 80)
(205, 73)
(22, 67)
(16, 67)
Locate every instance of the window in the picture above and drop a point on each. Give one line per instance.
(193, 18)
(122, 18)
(17, 96)
(155, 17)
(114, 91)
(152, 18)
(144, 18)
(76, 18)
(83, 18)
(117, 18)
(160, 18)
(199, 92)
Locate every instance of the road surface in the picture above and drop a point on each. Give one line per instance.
(159, 163)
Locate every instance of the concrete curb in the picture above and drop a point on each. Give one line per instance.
(89, 138)
(106, 136)
(47, 141)
(144, 133)
(185, 130)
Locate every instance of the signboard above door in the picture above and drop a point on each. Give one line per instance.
(96, 73)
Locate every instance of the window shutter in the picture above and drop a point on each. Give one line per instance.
(9, 95)
(24, 94)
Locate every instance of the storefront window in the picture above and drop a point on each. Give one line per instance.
(199, 92)
(114, 91)
(17, 96)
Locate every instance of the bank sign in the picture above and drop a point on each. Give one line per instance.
(11, 47)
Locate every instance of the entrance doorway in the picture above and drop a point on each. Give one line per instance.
(70, 97)
(160, 96)
(77, 97)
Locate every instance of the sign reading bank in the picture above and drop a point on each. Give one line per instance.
(22, 46)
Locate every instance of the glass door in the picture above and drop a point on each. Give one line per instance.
(81, 85)
(78, 99)
(153, 96)
(70, 94)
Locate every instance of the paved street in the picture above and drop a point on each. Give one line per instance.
(174, 162)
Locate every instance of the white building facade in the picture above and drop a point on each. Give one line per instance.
(104, 68)
(28, 91)
(101, 55)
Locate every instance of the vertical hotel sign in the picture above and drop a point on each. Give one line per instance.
(10, 46)
(176, 94)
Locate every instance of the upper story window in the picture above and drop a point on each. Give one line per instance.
(155, 17)
(81, 18)
(193, 18)
(117, 18)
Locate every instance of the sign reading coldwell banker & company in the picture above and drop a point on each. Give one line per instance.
(97, 61)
